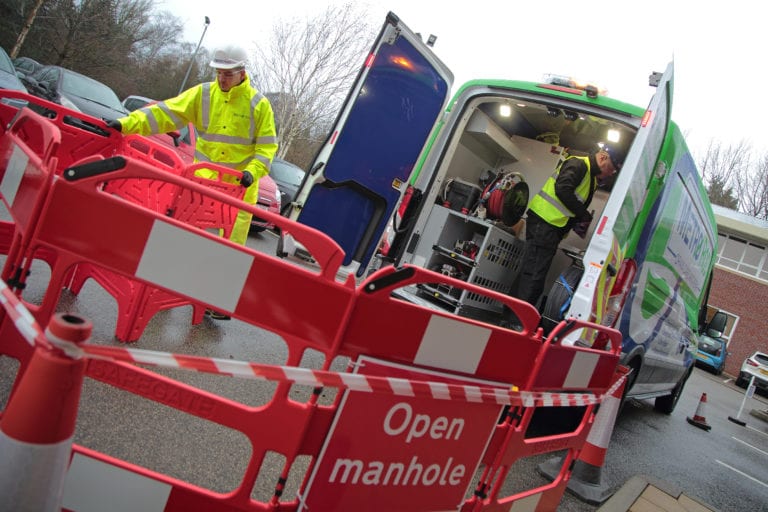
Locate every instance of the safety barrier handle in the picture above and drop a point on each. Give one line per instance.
(95, 168)
(386, 279)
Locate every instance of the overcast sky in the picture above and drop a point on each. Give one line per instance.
(617, 44)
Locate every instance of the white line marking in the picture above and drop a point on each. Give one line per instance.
(746, 443)
(742, 473)
(755, 430)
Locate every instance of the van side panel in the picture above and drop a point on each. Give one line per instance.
(674, 255)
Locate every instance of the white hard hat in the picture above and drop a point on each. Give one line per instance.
(229, 57)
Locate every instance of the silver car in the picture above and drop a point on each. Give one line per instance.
(755, 365)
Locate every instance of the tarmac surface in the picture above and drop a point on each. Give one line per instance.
(644, 493)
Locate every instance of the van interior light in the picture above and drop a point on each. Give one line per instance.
(505, 110)
(613, 135)
(553, 112)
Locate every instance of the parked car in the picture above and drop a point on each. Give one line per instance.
(26, 66)
(132, 102)
(75, 91)
(755, 365)
(288, 178)
(183, 143)
(712, 354)
(9, 79)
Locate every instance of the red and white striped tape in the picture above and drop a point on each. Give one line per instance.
(31, 331)
(21, 317)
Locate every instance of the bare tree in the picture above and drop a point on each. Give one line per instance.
(735, 178)
(724, 163)
(28, 21)
(753, 190)
(307, 67)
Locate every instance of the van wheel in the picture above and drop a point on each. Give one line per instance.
(559, 297)
(666, 404)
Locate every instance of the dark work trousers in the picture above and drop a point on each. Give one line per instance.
(541, 241)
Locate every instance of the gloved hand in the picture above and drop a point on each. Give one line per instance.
(247, 179)
(115, 125)
(582, 225)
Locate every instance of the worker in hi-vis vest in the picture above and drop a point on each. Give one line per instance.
(234, 121)
(561, 205)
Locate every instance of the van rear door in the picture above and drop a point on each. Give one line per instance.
(359, 175)
(605, 251)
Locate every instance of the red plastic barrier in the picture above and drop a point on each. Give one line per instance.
(431, 423)
(425, 430)
(137, 303)
(246, 283)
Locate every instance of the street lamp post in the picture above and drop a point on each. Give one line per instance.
(194, 55)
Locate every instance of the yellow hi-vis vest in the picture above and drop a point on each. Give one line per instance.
(546, 203)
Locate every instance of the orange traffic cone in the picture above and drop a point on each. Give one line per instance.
(38, 424)
(586, 476)
(698, 419)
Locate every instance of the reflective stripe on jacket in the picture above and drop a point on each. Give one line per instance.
(548, 206)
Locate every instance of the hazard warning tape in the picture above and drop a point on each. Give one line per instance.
(21, 317)
(30, 330)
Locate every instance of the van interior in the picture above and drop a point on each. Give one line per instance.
(500, 150)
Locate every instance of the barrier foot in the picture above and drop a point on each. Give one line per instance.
(586, 480)
(38, 424)
(738, 421)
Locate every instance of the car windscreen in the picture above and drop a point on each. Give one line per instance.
(90, 89)
(710, 346)
(286, 173)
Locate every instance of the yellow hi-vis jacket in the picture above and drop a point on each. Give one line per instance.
(548, 206)
(235, 129)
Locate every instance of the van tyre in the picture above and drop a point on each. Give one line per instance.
(667, 404)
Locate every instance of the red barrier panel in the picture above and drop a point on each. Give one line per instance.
(137, 303)
(149, 247)
(52, 144)
(433, 403)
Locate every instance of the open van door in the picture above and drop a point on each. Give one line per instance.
(360, 174)
(605, 253)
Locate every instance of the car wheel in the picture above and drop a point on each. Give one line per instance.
(667, 404)
(741, 381)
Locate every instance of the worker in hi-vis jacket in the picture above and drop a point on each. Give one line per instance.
(234, 121)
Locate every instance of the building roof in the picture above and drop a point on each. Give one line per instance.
(737, 223)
